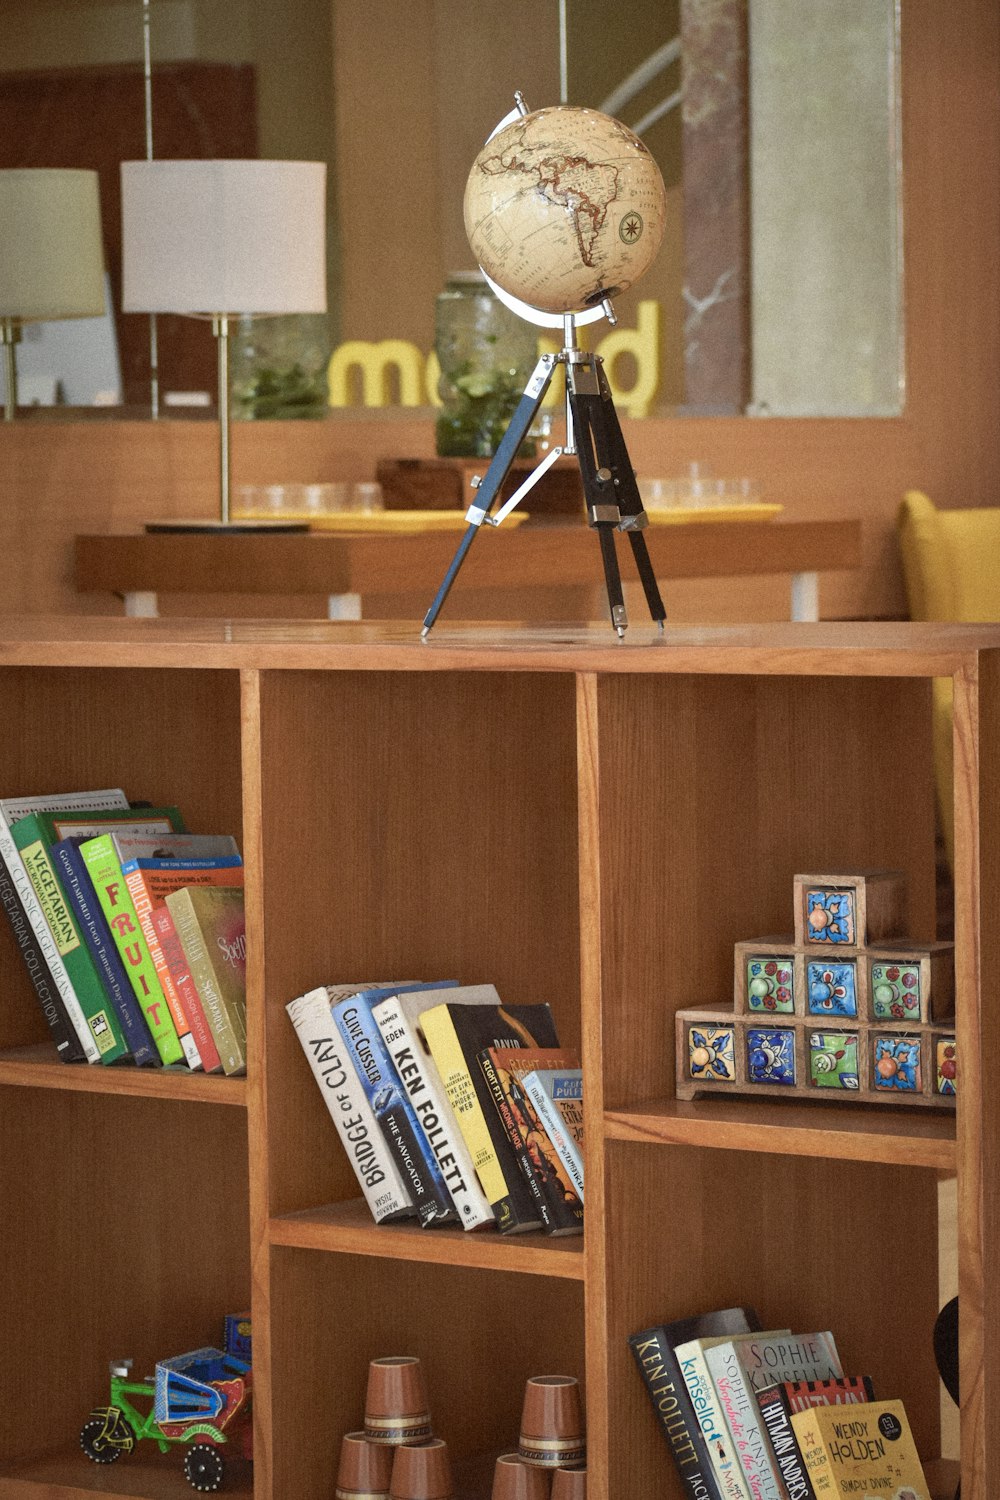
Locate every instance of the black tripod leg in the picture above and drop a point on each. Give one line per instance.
(647, 577)
(612, 577)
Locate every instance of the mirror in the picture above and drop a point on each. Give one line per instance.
(777, 290)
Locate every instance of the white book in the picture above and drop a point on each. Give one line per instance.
(398, 1020)
(367, 1150)
(739, 1368)
(555, 1092)
(692, 1363)
(11, 810)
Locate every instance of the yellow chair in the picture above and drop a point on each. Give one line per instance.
(951, 566)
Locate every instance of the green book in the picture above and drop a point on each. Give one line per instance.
(116, 903)
(102, 1022)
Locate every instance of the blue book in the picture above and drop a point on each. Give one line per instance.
(80, 895)
(390, 1102)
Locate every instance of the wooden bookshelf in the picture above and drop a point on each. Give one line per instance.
(579, 821)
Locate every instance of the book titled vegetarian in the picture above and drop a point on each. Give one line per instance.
(505, 1069)
(860, 1452)
(654, 1352)
(741, 1367)
(211, 924)
(557, 1097)
(398, 1018)
(391, 1103)
(375, 1166)
(457, 1036)
(12, 809)
(35, 836)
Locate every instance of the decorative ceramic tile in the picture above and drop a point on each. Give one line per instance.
(830, 916)
(833, 1059)
(711, 1053)
(770, 984)
(771, 1056)
(896, 992)
(946, 1070)
(832, 989)
(896, 1063)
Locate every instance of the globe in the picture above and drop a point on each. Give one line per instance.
(565, 207)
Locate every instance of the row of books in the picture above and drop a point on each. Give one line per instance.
(750, 1414)
(452, 1107)
(131, 929)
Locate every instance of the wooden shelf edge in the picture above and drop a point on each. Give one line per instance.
(35, 1067)
(348, 1229)
(67, 1475)
(840, 1132)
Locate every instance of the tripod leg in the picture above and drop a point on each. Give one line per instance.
(647, 577)
(612, 578)
(517, 430)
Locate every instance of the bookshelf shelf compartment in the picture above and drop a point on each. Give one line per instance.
(841, 1132)
(579, 821)
(347, 1228)
(34, 1067)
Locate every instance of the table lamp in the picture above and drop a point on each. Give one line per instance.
(51, 257)
(223, 239)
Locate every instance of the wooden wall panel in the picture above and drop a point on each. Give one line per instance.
(56, 479)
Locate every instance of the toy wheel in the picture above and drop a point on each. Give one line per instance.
(204, 1467)
(96, 1445)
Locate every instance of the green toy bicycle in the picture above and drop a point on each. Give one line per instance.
(194, 1398)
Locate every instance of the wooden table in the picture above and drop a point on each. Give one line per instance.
(542, 554)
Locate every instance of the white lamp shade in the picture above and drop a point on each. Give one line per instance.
(51, 257)
(216, 237)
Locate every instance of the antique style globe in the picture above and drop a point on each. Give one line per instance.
(564, 207)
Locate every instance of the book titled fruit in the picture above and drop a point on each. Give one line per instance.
(211, 924)
(862, 1452)
(115, 901)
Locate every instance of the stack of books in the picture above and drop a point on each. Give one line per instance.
(752, 1414)
(131, 929)
(452, 1107)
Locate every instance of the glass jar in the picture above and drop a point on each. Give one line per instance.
(486, 354)
(278, 365)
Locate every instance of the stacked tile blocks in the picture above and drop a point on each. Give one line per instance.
(845, 1009)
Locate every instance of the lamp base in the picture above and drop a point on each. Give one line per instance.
(244, 523)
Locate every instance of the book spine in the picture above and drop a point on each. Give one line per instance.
(94, 1001)
(739, 1407)
(11, 856)
(517, 1144)
(94, 930)
(776, 1416)
(815, 1459)
(374, 1165)
(227, 1026)
(143, 910)
(115, 902)
(555, 1127)
(464, 1098)
(67, 1044)
(396, 1120)
(175, 960)
(430, 1104)
(671, 1402)
(708, 1411)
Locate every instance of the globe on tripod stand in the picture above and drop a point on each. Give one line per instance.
(564, 207)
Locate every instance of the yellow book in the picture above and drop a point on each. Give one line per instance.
(860, 1452)
(449, 1059)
